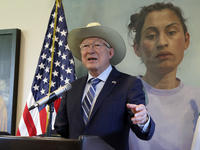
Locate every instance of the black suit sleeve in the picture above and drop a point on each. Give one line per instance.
(61, 122)
(137, 96)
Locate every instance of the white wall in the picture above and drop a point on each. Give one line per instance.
(31, 16)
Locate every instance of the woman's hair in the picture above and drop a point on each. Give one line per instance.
(138, 19)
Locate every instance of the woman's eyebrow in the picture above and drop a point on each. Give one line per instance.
(155, 29)
(150, 28)
(172, 24)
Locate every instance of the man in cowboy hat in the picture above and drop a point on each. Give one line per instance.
(115, 104)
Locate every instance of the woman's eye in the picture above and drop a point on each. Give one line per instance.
(151, 37)
(171, 32)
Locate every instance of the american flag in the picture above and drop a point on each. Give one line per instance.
(33, 122)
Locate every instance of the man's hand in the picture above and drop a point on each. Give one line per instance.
(140, 113)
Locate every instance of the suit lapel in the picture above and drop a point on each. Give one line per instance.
(78, 93)
(111, 82)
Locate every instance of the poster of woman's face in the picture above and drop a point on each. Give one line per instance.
(116, 14)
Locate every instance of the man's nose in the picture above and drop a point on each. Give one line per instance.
(91, 48)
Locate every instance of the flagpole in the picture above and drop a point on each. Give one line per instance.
(53, 45)
(50, 106)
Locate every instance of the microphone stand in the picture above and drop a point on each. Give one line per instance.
(52, 98)
(49, 127)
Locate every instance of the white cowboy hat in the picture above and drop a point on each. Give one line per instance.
(94, 29)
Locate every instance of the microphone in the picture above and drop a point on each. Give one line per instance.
(52, 97)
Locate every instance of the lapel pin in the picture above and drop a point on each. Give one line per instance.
(114, 82)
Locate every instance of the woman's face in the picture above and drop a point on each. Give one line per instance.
(162, 41)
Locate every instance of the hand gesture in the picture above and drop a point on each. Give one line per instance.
(140, 113)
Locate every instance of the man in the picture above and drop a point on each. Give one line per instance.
(109, 114)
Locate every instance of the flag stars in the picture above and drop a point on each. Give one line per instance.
(49, 35)
(59, 53)
(61, 19)
(71, 61)
(67, 81)
(66, 47)
(63, 33)
(56, 39)
(57, 29)
(39, 76)
(55, 73)
(42, 91)
(49, 59)
(45, 80)
(68, 70)
(41, 66)
(44, 56)
(36, 87)
(51, 49)
(60, 43)
(54, 14)
(63, 67)
(57, 63)
(64, 57)
(53, 84)
(46, 45)
(47, 70)
(61, 78)
(52, 25)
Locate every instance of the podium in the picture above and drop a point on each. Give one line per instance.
(52, 143)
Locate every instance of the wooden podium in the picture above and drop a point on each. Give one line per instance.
(52, 143)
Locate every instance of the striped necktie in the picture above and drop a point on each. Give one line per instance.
(88, 99)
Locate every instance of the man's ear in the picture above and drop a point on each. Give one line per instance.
(187, 40)
(136, 48)
(111, 52)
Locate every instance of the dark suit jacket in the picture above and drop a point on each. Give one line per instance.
(110, 118)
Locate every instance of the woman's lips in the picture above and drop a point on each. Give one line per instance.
(163, 55)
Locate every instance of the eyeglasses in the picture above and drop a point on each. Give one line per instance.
(95, 45)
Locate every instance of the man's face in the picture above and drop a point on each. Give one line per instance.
(96, 55)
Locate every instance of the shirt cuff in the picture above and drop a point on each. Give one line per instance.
(145, 127)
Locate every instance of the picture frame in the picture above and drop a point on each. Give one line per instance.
(9, 72)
